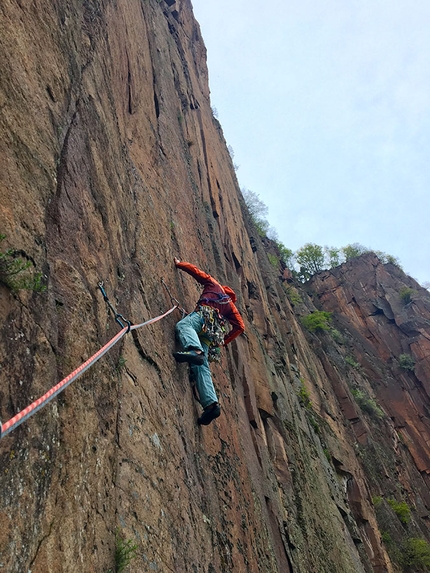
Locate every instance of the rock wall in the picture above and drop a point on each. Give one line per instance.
(380, 327)
(112, 164)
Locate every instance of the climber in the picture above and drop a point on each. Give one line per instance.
(203, 331)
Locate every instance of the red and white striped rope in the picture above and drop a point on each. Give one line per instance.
(43, 400)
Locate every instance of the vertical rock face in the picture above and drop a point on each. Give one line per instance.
(112, 164)
(380, 362)
(366, 298)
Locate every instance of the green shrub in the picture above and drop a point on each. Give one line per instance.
(262, 227)
(327, 454)
(349, 360)
(315, 426)
(336, 335)
(17, 274)
(406, 294)
(407, 362)
(293, 296)
(125, 552)
(367, 404)
(317, 321)
(386, 538)
(273, 259)
(304, 395)
(377, 500)
(385, 258)
(416, 553)
(401, 509)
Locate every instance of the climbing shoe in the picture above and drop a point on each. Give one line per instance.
(210, 413)
(190, 356)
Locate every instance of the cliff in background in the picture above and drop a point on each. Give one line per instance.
(112, 164)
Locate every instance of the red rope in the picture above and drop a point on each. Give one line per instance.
(43, 400)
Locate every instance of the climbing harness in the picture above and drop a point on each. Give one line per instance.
(223, 298)
(214, 327)
(213, 330)
(19, 418)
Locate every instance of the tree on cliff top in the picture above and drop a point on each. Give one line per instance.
(355, 250)
(257, 209)
(258, 212)
(311, 260)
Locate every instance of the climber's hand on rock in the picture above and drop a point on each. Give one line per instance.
(176, 261)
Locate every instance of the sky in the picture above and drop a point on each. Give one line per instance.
(326, 105)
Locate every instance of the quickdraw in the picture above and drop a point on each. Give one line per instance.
(35, 406)
(118, 317)
(213, 330)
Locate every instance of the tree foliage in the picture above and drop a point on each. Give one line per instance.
(286, 254)
(401, 509)
(407, 362)
(386, 259)
(333, 256)
(310, 259)
(317, 321)
(257, 209)
(258, 212)
(355, 250)
(416, 553)
(406, 294)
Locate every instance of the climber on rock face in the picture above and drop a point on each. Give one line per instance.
(202, 332)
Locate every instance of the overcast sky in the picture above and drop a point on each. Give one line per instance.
(326, 106)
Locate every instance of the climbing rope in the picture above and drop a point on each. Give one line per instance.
(19, 418)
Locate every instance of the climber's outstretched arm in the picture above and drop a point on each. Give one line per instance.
(197, 274)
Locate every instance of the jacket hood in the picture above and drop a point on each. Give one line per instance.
(230, 293)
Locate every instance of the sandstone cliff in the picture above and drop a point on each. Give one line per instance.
(112, 164)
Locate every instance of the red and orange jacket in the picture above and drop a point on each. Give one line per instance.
(217, 297)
